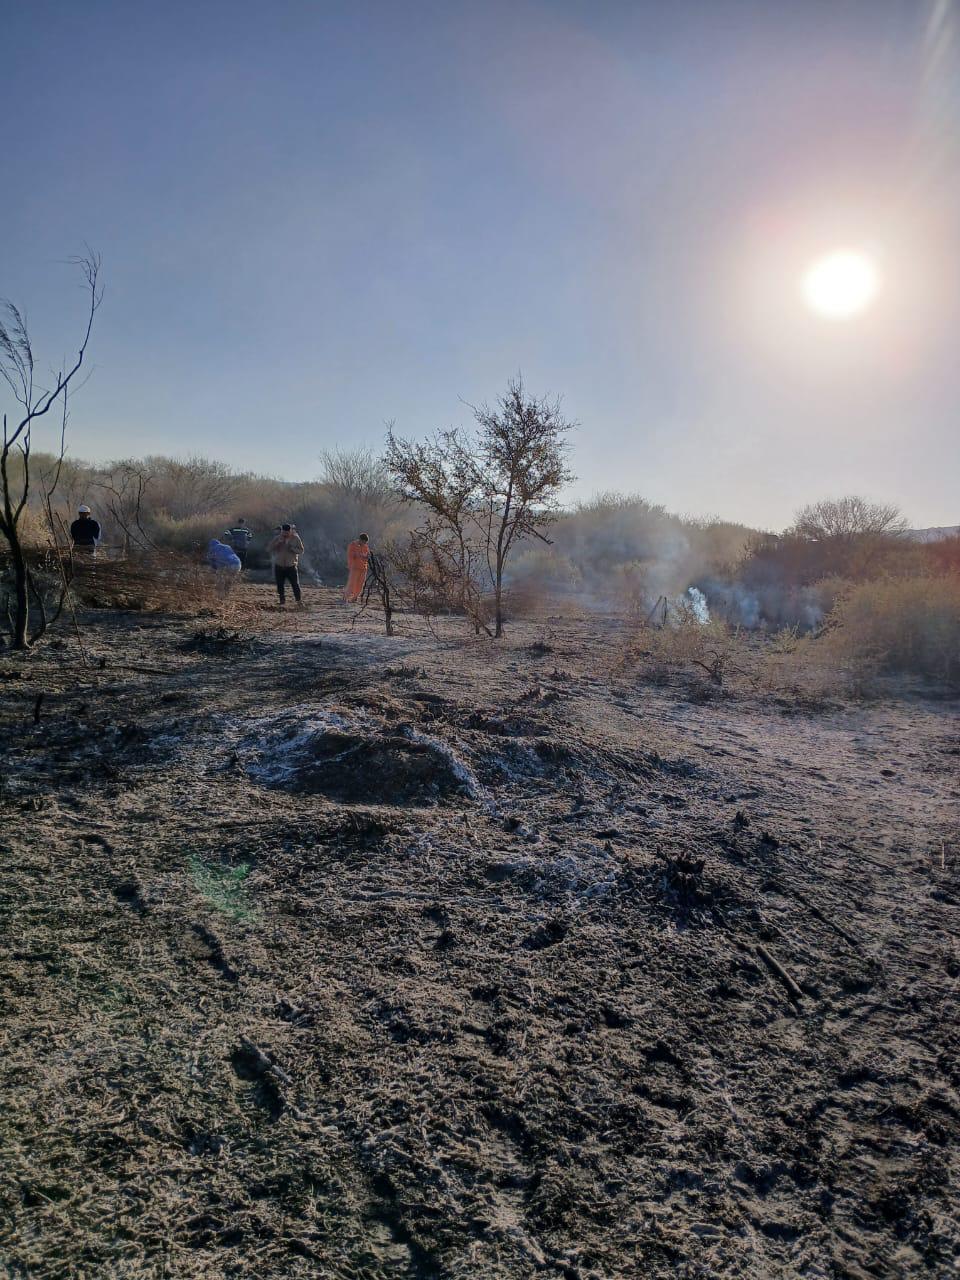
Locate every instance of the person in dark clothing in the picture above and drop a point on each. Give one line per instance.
(239, 538)
(85, 532)
(285, 549)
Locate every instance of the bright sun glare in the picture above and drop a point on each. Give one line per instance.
(841, 284)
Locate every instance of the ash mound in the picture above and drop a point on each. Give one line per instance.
(358, 759)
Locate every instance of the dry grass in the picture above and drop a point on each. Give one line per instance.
(793, 669)
(908, 625)
(161, 581)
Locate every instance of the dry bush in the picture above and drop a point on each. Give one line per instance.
(799, 671)
(528, 597)
(34, 531)
(795, 670)
(711, 649)
(162, 582)
(181, 535)
(909, 625)
(830, 590)
(621, 543)
(546, 570)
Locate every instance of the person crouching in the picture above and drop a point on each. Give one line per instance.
(285, 550)
(225, 564)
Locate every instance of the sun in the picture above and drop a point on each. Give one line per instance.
(841, 284)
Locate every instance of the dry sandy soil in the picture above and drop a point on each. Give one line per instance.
(334, 955)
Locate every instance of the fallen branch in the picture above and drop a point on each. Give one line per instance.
(814, 910)
(776, 968)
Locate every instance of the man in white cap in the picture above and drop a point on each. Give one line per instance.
(85, 531)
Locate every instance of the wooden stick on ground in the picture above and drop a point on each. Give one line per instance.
(780, 972)
(848, 937)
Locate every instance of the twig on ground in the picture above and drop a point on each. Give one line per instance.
(776, 968)
(827, 921)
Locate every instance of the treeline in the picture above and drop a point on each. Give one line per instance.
(795, 578)
(178, 504)
(615, 550)
(611, 549)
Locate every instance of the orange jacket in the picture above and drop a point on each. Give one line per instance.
(358, 553)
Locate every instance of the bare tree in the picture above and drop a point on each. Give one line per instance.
(379, 588)
(124, 487)
(486, 492)
(846, 520)
(357, 474)
(523, 468)
(17, 366)
(357, 495)
(444, 558)
(193, 486)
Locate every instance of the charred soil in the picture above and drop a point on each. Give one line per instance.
(343, 955)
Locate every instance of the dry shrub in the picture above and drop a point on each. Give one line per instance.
(711, 648)
(526, 598)
(794, 669)
(909, 625)
(188, 533)
(799, 671)
(160, 581)
(831, 590)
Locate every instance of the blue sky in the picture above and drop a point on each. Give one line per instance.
(317, 217)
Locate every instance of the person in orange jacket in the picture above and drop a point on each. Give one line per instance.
(358, 553)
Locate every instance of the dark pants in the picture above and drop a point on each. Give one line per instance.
(285, 573)
(241, 554)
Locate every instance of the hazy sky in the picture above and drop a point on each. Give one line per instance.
(315, 217)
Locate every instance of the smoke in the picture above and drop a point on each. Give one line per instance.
(623, 552)
(772, 604)
(696, 602)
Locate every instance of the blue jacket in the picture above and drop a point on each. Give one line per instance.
(221, 556)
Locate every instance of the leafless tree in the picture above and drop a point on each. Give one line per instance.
(124, 487)
(355, 494)
(17, 367)
(193, 486)
(847, 519)
(486, 492)
(357, 474)
(444, 558)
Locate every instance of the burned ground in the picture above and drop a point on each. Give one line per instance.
(339, 955)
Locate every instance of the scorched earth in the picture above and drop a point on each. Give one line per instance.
(328, 954)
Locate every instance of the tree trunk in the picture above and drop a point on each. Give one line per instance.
(22, 615)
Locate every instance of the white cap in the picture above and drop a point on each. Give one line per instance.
(83, 509)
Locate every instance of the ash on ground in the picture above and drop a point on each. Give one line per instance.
(437, 957)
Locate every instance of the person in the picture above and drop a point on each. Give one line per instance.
(358, 553)
(224, 562)
(285, 548)
(85, 531)
(239, 539)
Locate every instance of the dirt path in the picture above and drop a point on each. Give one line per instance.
(607, 982)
